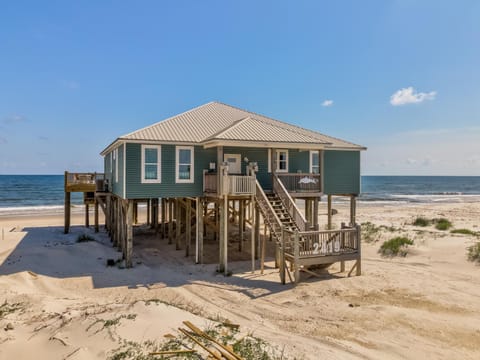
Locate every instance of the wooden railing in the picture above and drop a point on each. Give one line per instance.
(84, 181)
(301, 182)
(268, 212)
(234, 184)
(241, 185)
(309, 248)
(323, 243)
(289, 204)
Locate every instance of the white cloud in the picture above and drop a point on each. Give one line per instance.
(410, 96)
(327, 103)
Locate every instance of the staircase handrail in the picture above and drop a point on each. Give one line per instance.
(296, 214)
(261, 194)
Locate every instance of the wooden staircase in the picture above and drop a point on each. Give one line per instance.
(282, 213)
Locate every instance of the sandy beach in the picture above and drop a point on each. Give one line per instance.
(58, 295)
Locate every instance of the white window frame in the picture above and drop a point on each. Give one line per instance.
(277, 161)
(177, 164)
(311, 160)
(158, 180)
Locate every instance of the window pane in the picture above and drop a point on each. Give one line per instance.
(184, 156)
(282, 156)
(282, 165)
(151, 156)
(316, 169)
(315, 159)
(151, 172)
(184, 172)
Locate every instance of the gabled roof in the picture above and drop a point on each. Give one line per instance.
(215, 121)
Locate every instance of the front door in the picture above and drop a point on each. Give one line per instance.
(234, 163)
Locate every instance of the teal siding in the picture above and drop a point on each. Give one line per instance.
(108, 167)
(298, 161)
(167, 187)
(341, 172)
(117, 186)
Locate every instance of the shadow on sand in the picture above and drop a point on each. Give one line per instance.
(47, 251)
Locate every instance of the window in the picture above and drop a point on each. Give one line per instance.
(184, 164)
(314, 162)
(282, 160)
(151, 164)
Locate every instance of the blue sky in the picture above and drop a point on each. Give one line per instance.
(400, 77)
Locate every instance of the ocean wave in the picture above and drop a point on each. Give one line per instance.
(36, 209)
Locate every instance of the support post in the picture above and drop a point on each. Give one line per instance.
(241, 218)
(264, 244)
(163, 220)
(257, 230)
(148, 211)
(170, 221)
(329, 207)
(223, 208)
(129, 237)
(315, 214)
(296, 257)
(282, 259)
(252, 233)
(178, 223)
(87, 216)
(188, 227)
(359, 260)
(353, 203)
(96, 215)
(135, 212)
(199, 232)
(67, 211)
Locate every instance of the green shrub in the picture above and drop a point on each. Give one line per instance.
(395, 246)
(84, 238)
(442, 224)
(464, 232)
(473, 252)
(421, 221)
(370, 232)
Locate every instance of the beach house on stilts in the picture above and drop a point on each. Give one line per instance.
(217, 165)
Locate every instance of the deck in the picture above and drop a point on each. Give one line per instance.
(303, 249)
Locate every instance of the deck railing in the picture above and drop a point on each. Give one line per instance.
(307, 248)
(84, 181)
(234, 184)
(289, 204)
(301, 182)
(323, 243)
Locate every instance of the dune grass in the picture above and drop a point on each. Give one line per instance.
(464, 232)
(396, 246)
(442, 224)
(473, 252)
(421, 221)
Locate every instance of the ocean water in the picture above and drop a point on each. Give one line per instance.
(425, 189)
(21, 194)
(33, 193)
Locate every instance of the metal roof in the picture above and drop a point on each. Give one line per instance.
(218, 121)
